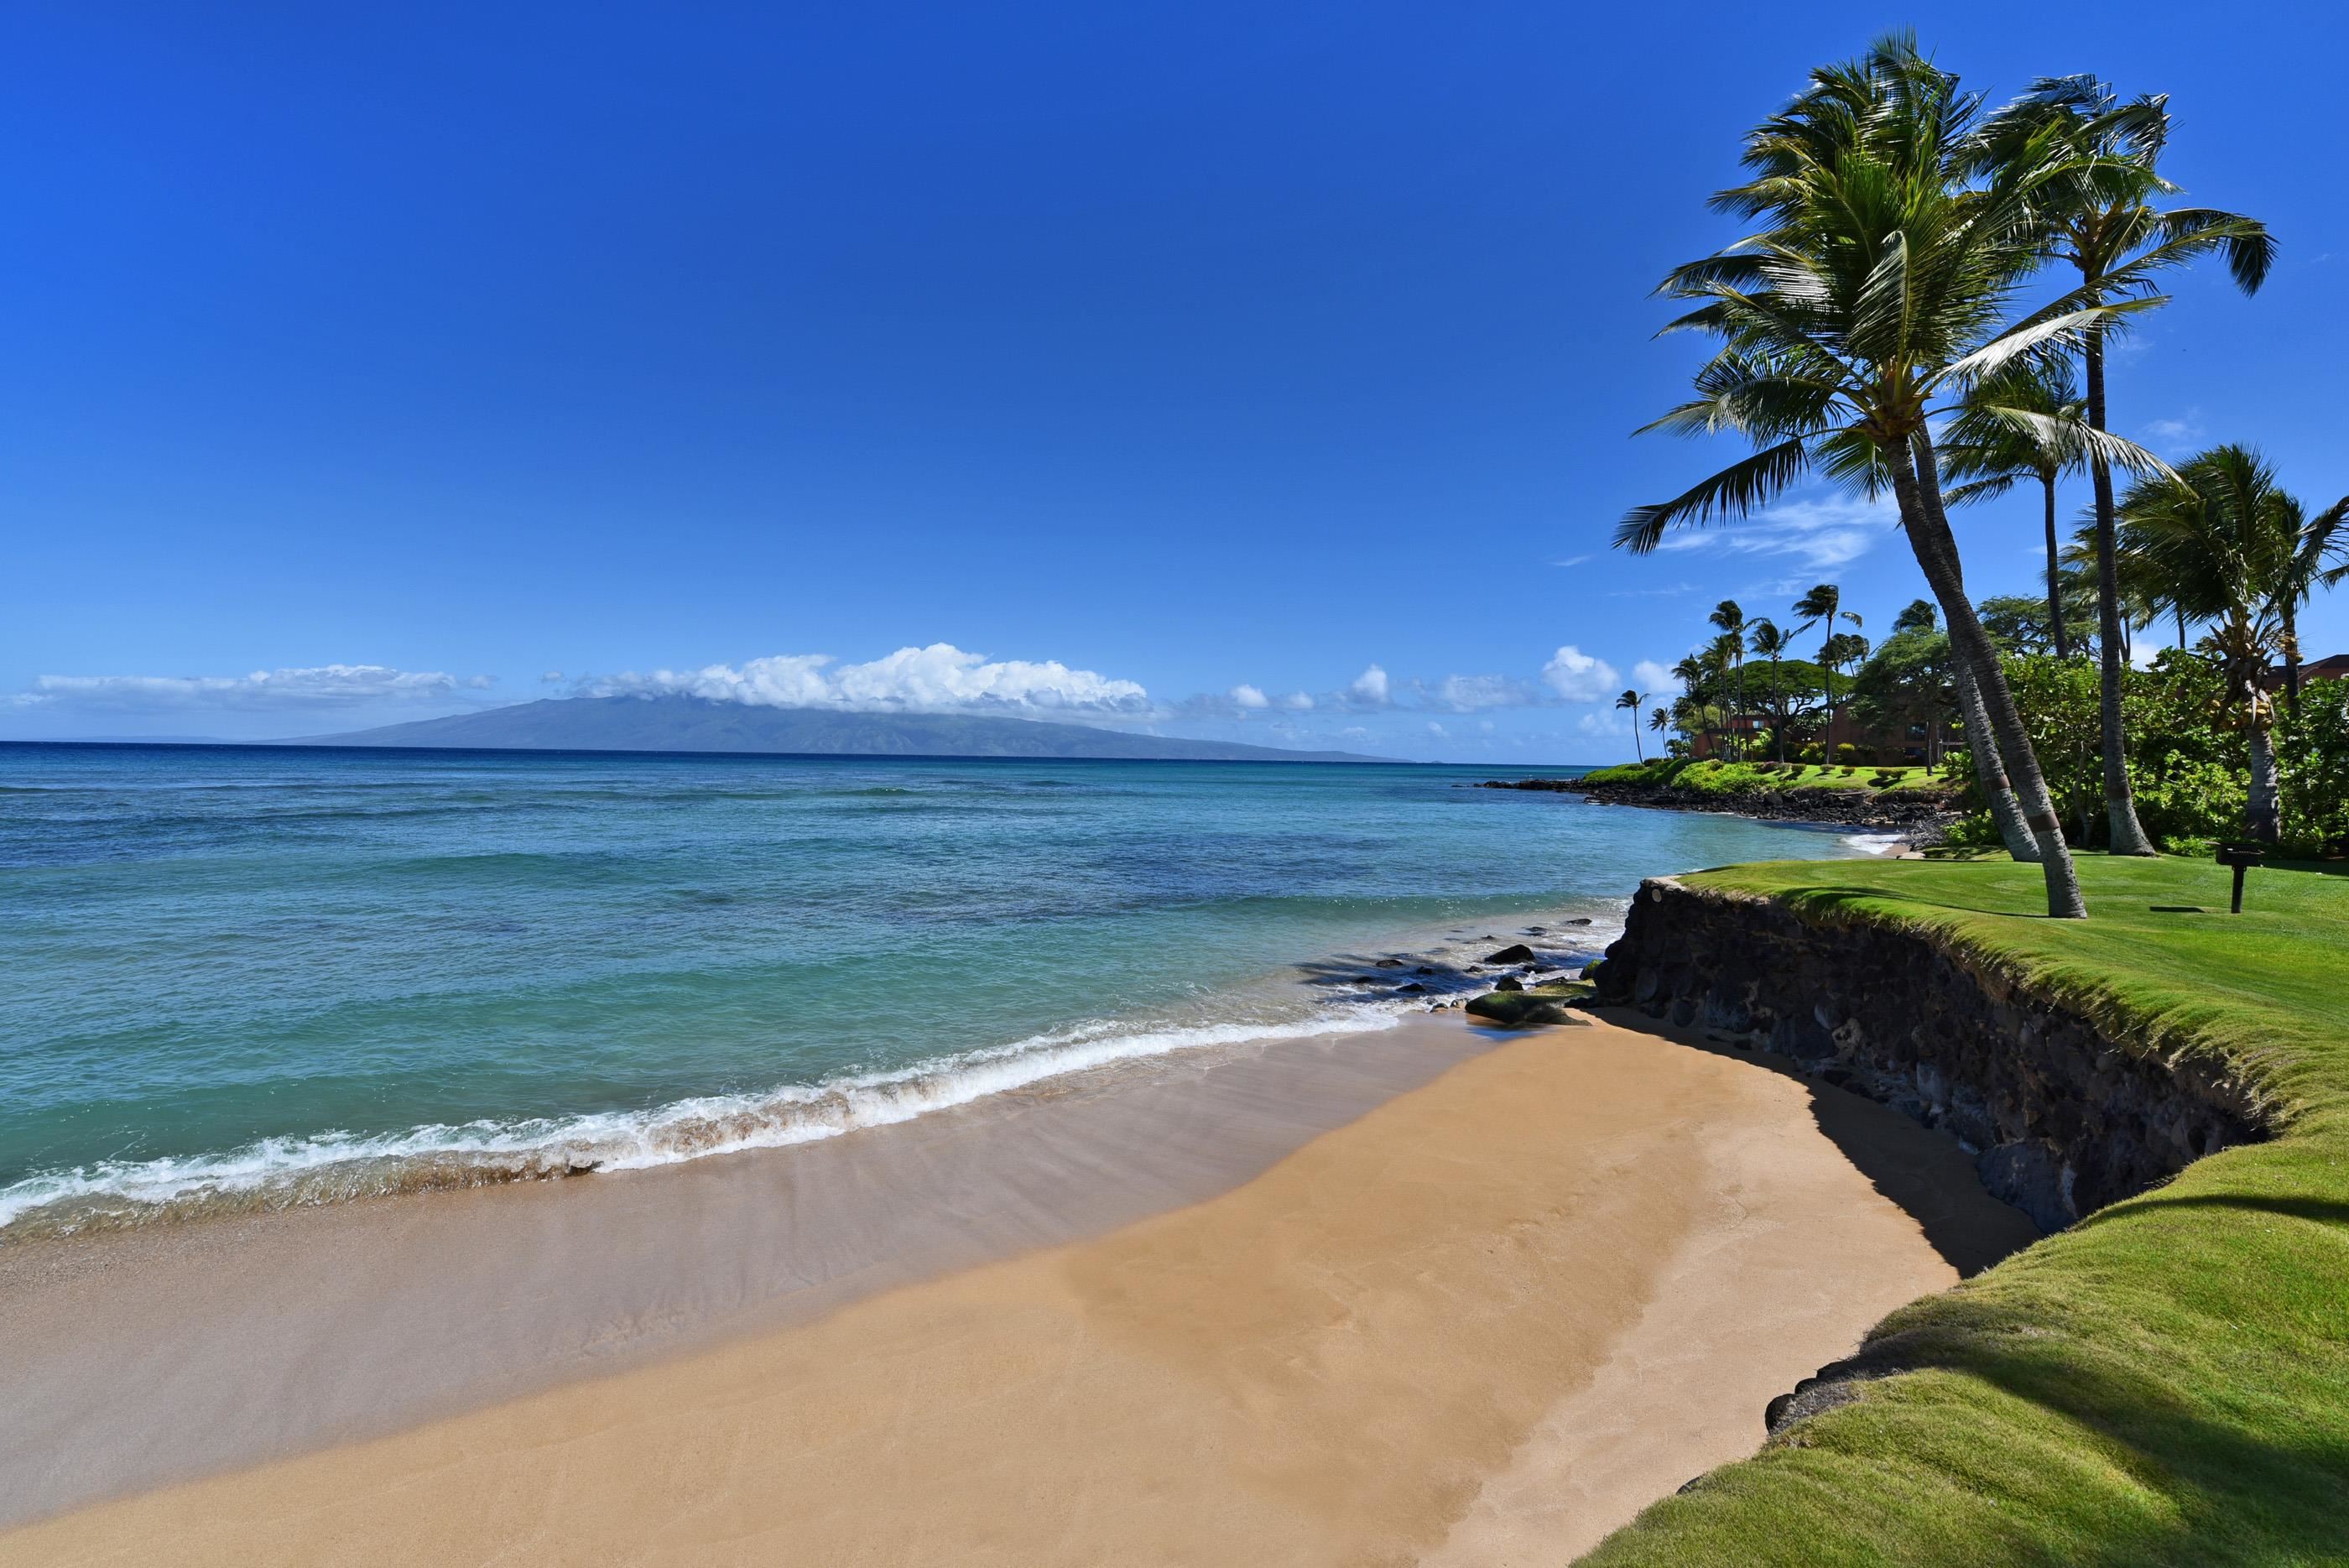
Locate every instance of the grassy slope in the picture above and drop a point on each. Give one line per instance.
(2166, 1381)
(1713, 776)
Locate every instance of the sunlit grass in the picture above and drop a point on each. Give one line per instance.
(2169, 1380)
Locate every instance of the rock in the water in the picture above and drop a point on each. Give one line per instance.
(1521, 1007)
(1515, 952)
(1388, 963)
(1414, 985)
(1508, 983)
(1423, 968)
(1579, 921)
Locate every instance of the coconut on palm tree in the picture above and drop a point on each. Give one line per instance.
(1634, 700)
(2099, 216)
(1992, 454)
(1874, 298)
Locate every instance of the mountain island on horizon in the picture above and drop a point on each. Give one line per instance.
(702, 724)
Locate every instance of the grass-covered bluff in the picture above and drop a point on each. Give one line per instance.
(1716, 777)
(2166, 1381)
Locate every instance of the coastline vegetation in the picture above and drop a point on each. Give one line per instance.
(1877, 332)
(2162, 1382)
(1712, 776)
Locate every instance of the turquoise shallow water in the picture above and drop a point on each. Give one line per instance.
(242, 976)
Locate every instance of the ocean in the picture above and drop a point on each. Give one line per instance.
(248, 977)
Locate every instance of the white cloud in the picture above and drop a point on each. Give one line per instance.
(316, 686)
(1247, 696)
(1576, 677)
(1571, 561)
(2173, 435)
(1468, 694)
(1298, 700)
(1651, 677)
(1436, 730)
(552, 676)
(940, 678)
(1602, 722)
(1371, 687)
(1827, 530)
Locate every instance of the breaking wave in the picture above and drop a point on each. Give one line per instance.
(331, 1167)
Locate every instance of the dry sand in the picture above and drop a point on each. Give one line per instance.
(1485, 1323)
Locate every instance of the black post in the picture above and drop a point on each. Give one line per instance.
(2242, 857)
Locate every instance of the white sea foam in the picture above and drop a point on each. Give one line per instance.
(1872, 843)
(281, 1172)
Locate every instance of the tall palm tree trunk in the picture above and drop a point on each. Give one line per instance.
(2291, 653)
(1988, 771)
(2055, 574)
(2263, 812)
(2128, 835)
(1915, 483)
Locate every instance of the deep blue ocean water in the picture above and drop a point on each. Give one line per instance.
(238, 976)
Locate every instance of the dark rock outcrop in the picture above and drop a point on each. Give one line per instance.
(1515, 952)
(2062, 1119)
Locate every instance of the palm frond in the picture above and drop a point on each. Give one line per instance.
(1736, 491)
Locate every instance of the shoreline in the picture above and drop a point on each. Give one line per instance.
(1338, 993)
(1351, 1299)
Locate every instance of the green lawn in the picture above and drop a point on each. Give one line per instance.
(1713, 776)
(2169, 1380)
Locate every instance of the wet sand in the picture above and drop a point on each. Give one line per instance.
(1484, 1321)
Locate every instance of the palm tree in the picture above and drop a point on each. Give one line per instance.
(1874, 299)
(2229, 540)
(1767, 641)
(1659, 720)
(1730, 620)
(1691, 674)
(2319, 560)
(1721, 655)
(1992, 454)
(1823, 606)
(1634, 700)
(1844, 647)
(2100, 217)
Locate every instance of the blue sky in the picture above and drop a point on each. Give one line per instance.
(1176, 366)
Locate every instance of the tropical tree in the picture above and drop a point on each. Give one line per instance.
(1693, 675)
(1767, 640)
(1992, 454)
(1823, 606)
(1723, 654)
(1907, 679)
(1729, 621)
(2229, 539)
(1842, 651)
(1634, 700)
(1874, 299)
(2320, 559)
(1659, 720)
(2099, 216)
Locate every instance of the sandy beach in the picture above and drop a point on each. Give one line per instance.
(1479, 1308)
